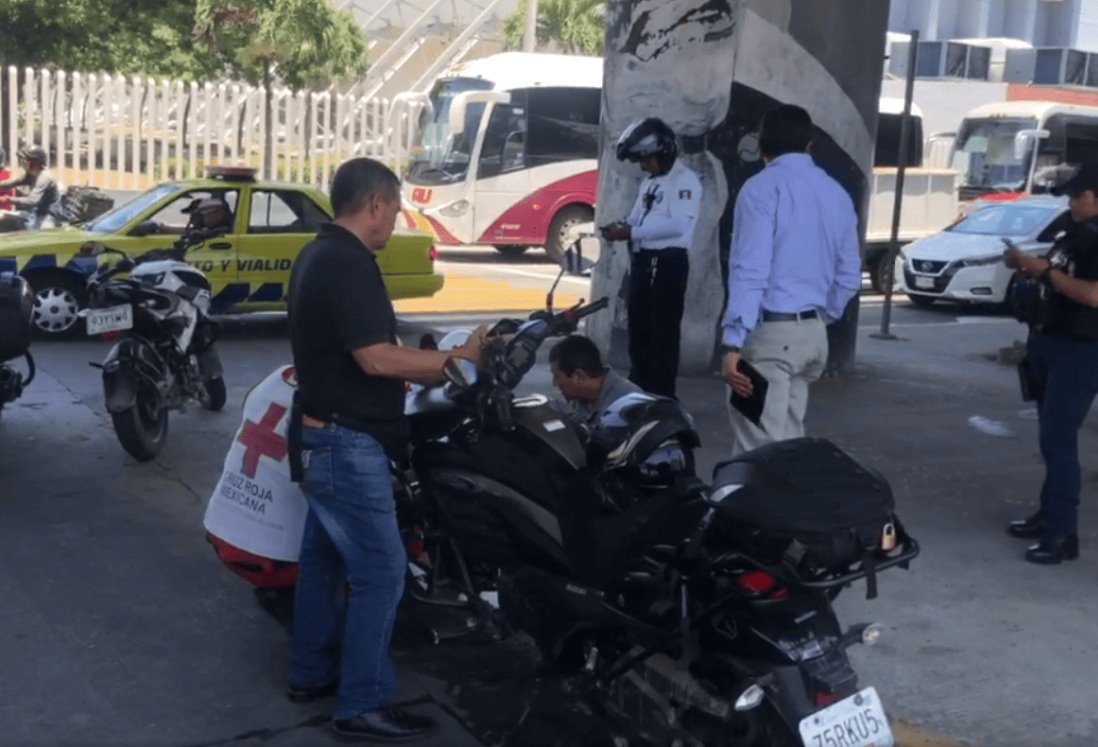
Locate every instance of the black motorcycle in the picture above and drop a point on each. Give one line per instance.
(164, 357)
(684, 614)
(16, 307)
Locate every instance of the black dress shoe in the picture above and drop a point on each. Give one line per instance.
(309, 694)
(384, 725)
(1052, 551)
(1030, 528)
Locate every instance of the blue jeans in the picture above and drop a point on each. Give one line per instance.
(351, 536)
(1069, 370)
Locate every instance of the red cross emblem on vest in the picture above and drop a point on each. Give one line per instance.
(261, 440)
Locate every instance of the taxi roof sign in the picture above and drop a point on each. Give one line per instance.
(242, 173)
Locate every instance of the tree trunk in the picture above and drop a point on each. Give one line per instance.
(268, 122)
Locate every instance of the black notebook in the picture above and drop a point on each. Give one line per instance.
(751, 407)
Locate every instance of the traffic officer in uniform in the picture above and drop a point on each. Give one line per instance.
(660, 230)
(1057, 295)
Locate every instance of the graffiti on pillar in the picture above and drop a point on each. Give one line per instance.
(711, 68)
(658, 26)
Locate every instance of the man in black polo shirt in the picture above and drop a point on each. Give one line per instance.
(351, 377)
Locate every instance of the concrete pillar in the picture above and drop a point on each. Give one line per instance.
(711, 68)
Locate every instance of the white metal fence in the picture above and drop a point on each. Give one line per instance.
(116, 132)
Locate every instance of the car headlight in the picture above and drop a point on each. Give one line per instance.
(455, 209)
(982, 261)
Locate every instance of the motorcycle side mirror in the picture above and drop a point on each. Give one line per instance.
(584, 251)
(577, 259)
(146, 228)
(461, 372)
(92, 249)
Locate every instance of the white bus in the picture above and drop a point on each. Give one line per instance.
(1009, 149)
(506, 152)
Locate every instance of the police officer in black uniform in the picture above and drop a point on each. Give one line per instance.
(1057, 295)
(660, 230)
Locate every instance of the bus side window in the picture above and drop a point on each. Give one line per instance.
(564, 124)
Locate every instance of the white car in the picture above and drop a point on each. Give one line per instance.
(964, 263)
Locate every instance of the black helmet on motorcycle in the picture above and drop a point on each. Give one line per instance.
(650, 439)
(34, 154)
(648, 137)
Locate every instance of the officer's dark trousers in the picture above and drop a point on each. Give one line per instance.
(1068, 369)
(657, 290)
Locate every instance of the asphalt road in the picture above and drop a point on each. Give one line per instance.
(120, 627)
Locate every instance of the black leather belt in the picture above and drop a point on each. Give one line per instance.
(781, 316)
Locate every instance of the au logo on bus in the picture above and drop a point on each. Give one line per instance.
(421, 195)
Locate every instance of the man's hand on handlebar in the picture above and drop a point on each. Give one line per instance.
(475, 347)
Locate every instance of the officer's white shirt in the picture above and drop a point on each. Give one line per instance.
(666, 210)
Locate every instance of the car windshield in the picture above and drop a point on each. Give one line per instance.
(114, 220)
(1007, 220)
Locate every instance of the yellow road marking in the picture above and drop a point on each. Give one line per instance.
(470, 294)
(908, 735)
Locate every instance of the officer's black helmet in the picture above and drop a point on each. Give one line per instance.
(648, 137)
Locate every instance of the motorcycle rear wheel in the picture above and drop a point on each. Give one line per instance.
(142, 429)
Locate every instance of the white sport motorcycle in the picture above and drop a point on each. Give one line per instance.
(165, 358)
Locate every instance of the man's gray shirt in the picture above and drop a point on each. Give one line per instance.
(614, 387)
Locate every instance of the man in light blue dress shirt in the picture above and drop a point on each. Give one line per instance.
(794, 266)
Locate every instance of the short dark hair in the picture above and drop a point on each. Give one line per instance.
(577, 352)
(787, 129)
(359, 179)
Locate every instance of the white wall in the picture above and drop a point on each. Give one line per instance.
(1086, 29)
(944, 103)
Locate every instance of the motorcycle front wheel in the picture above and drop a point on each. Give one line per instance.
(143, 428)
(214, 394)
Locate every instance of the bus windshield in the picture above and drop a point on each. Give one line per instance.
(984, 154)
(437, 156)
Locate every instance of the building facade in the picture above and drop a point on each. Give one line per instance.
(1041, 23)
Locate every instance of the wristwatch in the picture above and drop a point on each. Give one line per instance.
(731, 348)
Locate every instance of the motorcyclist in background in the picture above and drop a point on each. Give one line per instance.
(5, 194)
(38, 190)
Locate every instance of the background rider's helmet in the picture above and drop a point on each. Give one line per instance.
(34, 154)
(648, 137)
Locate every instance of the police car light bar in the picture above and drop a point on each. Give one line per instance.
(243, 173)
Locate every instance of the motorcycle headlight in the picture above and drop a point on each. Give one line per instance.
(750, 698)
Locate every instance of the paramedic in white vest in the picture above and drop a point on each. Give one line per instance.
(660, 230)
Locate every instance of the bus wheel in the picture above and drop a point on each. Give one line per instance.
(557, 241)
(511, 250)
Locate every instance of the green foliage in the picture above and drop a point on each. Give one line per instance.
(303, 43)
(148, 37)
(571, 26)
